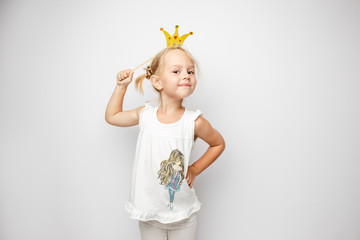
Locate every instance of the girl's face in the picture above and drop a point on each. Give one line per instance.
(177, 166)
(177, 79)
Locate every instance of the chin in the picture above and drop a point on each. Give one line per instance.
(185, 95)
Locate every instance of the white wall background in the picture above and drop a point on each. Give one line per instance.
(280, 81)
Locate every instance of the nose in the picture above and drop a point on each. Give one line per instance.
(186, 75)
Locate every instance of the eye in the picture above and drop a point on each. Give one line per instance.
(176, 71)
(191, 72)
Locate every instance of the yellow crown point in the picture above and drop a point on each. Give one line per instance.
(175, 40)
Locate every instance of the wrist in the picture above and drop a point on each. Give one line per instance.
(194, 170)
(121, 86)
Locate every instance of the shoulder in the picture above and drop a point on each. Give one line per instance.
(146, 108)
(201, 124)
(202, 128)
(139, 110)
(193, 114)
(146, 115)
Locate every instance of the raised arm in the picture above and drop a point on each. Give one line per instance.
(114, 114)
(216, 142)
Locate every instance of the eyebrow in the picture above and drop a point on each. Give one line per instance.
(192, 66)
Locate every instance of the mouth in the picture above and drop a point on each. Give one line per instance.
(184, 85)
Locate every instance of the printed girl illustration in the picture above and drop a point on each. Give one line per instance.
(171, 174)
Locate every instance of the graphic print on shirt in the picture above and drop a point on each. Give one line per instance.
(171, 174)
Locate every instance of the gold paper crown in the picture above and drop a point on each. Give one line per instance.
(175, 40)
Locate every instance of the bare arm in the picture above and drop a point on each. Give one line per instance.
(114, 114)
(216, 142)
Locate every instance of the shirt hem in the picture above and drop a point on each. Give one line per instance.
(138, 215)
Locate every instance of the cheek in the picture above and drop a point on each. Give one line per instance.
(194, 81)
(194, 84)
(170, 83)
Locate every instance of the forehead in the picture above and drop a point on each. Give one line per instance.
(177, 57)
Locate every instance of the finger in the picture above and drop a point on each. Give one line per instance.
(129, 74)
(189, 177)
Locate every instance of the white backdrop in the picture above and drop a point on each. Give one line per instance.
(279, 79)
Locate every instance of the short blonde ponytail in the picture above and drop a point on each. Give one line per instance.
(139, 82)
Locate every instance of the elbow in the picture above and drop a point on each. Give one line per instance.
(108, 119)
(223, 145)
(107, 116)
(220, 146)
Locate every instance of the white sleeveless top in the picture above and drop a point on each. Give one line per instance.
(159, 190)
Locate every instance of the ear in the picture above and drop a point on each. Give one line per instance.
(155, 81)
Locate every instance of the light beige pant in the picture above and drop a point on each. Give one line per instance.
(182, 230)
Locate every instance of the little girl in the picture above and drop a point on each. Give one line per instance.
(167, 135)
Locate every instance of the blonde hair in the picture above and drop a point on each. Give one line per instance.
(166, 171)
(157, 64)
